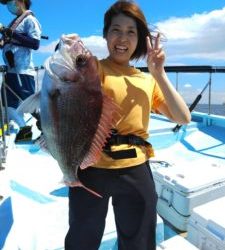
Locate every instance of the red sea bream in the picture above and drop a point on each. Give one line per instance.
(76, 116)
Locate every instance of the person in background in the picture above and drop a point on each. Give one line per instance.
(123, 172)
(18, 40)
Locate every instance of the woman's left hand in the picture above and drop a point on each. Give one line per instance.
(155, 56)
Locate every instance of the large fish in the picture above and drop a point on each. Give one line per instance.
(76, 117)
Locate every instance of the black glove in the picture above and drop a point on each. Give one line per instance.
(7, 33)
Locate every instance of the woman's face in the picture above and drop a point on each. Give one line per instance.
(122, 39)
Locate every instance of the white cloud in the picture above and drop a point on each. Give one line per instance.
(200, 36)
(187, 85)
(96, 44)
(48, 48)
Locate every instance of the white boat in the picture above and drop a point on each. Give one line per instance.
(188, 169)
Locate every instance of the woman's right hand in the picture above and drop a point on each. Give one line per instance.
(155, 56)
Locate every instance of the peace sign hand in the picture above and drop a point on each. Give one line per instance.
(155, 56)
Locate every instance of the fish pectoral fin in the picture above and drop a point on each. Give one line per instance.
(30, 104)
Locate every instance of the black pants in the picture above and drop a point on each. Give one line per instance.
(134, 203)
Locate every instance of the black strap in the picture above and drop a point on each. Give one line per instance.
(10, 58)
(121, 154)
(118, 139)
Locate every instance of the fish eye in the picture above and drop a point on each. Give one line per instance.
(81, 61)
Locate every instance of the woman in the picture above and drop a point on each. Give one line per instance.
(18, 39)
(123, 172)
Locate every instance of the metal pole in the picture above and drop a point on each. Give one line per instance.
(210, 92)
(177, 81)
(37, 80)
(6, 116)
(2, 122)
(2, 129)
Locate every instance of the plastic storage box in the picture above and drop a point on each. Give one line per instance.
(206, 226)
(176, 243)
(182, 188)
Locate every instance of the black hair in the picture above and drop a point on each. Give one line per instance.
(27, 3)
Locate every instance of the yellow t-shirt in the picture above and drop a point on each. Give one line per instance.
(136, 93)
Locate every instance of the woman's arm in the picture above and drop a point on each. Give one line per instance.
(20, 39)
(25, 41)
(175, 107)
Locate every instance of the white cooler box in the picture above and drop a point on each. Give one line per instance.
(181, 188)
(206, 226)
(176, 243)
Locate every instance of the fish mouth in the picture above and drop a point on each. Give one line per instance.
(81, 60)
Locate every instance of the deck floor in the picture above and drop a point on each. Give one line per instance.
(22, 177)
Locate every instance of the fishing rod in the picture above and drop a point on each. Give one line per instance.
(194, 104)
(44, 37)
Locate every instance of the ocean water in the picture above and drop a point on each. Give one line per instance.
(216, 109)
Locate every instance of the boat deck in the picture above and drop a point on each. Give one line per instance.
(34, 197)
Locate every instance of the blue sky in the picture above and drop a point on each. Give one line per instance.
(194, 30)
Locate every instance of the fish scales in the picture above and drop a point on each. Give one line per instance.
(72, 120)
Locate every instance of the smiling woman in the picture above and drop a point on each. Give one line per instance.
(123, 172)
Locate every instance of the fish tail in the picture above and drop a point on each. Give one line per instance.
(79, 184)
(90, 191)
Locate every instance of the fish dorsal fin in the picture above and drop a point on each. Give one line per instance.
(109, 108)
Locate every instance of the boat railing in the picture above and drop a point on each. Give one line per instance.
(4, 122)
(194, 69)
